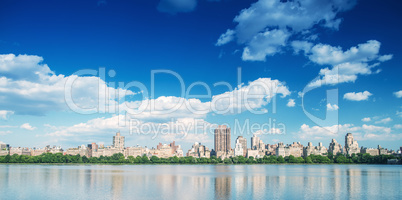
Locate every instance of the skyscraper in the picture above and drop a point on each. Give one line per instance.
(351, 146)
(222, 139)
(118, 141)
(243, 142)
(335, 147)
(255, 142)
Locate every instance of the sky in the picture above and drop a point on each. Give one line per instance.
(76, 72)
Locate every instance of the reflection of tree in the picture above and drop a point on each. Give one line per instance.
(223, 187)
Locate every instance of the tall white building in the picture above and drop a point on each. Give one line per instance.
(351, 146)
(118, 141)
(238, 151)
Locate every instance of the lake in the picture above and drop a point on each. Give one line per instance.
(200, 181)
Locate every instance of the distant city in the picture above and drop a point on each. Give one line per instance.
(222, 148)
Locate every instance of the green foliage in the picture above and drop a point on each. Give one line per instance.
(120, 159)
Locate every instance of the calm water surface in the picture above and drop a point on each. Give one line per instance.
(200, 182)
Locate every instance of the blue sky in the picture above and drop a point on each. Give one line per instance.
(352, 47)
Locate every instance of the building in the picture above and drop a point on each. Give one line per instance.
(252, 153)
(243, 142)
(4, 146)
(295, 149)
(199, 151)
(239, 151)
(118, 141)
(257, 143)
(135, 151)
(351, 146)
(335, 147)
(371, 151)
(222, 140)
(81, 150)
(312, 150)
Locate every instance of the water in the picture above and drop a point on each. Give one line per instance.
(200, 182)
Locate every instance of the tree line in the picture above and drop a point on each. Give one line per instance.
(120, 159)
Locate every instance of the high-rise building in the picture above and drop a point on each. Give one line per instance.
(255, 142)
(243, 141)
(351, 146)
(222, 139)
(335, 147)
(118, 141)
(238, 151)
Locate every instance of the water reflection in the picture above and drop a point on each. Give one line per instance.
(200, 182)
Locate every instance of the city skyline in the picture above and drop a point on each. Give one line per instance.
(258, 149)
(288, 71)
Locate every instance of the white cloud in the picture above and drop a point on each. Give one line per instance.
(384, 121)
(398, 94)
(347, 65)
(332, 107)
(249, 97)
(5, 132)
(186, 130)
(328, 55)
(398, 113)
(398, 126)
(359, 96)
(46, 93)
(4, 114)
(299, 46)
(385, 58)
(175, 6)
(365, 132)
(28, 127)
(291, 103)
(290, 17)
(225, 38)
(317, 132)
(366, 119)
(30, 87)
(265, 44)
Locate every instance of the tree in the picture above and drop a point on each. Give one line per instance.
(227, 161)
(145, 159)
(292, 159)
(308, 160)
(154, 159)
(281, 159)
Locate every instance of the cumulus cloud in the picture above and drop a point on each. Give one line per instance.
(182, 129)
(398, 94)
(366, 119)
(175, 6)
(291, 103)
(359, 96)
(346, 65)
(318, 132)
(4, 114)
(300, 46)
(332, 107)
(384, 121)
(47, 92)
(225, 38)
(324, 54)
(364, 132)
(28, 127)
(385, 58)
(30, 87)
(265, 44)
(284, 18)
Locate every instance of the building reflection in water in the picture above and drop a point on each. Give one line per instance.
(223, 187)
(200, 182)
